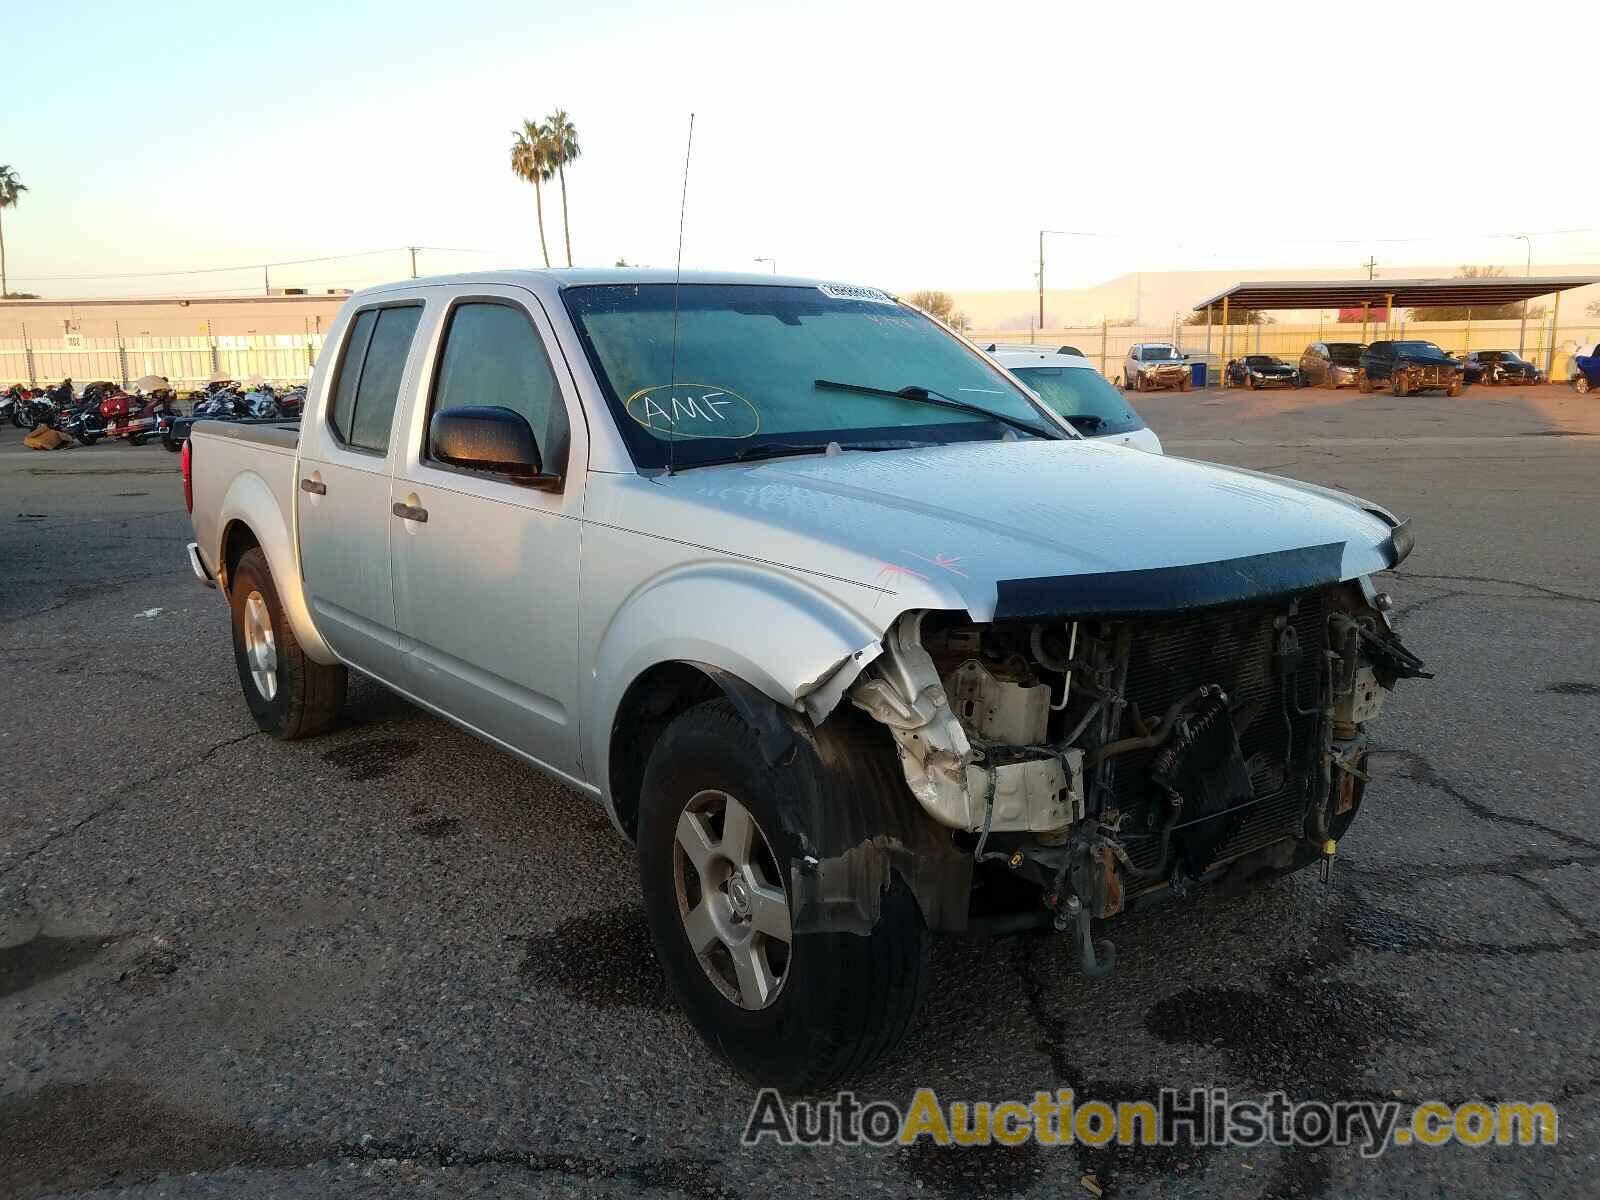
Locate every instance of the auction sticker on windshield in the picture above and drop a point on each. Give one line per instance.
(694, 410)
(845, 291)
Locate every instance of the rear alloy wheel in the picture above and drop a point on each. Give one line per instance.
(290, 696)
(1580, 384)
(719, 831)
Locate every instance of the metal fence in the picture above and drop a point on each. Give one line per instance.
(1107, 345)
(186, 362)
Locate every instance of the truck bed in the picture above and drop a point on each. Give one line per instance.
(239, 457)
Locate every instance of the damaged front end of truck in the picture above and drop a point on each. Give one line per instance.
(1103, 743)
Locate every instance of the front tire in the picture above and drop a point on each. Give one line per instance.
(719, 829)
(290, 696)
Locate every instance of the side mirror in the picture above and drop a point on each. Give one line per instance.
(486, 438)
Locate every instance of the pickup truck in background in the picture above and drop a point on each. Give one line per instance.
(851, 635)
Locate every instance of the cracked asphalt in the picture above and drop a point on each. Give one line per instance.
(395, 960)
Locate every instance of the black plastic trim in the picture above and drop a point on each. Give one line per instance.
(1170, 589)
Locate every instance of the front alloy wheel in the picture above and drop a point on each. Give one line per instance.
(731, 899)
(722, 833)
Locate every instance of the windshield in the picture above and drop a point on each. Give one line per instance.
(1083, 397)
(1419, 349)
(1157, 354)
(1499, 356)
(1344, 352)
(1263, 360)
(748, 358)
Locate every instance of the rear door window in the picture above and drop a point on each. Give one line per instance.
(370, 373)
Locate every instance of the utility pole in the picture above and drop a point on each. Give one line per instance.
(1371, 265)
(413, 250)
(1041, 283)
(1522, 336)
(266, 280)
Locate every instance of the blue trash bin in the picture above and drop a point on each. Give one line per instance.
(1197, 374)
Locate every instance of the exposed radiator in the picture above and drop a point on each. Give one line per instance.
(1232, 647)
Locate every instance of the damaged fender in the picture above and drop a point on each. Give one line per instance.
(780, 636)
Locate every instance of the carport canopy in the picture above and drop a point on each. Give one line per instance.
(1406, 293)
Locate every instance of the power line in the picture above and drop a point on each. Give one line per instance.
(291, 262)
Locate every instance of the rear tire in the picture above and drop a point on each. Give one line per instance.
(820, 1007)
(290, 696)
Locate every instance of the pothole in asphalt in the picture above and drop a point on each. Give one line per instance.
(604, 958)
(373, 758)
(111, 1134)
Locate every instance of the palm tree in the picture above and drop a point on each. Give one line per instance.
(530, 161)
(11, 188)
(563, 138)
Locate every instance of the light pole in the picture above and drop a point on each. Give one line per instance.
(772, 262)
(1522, 337)
(1058, 233)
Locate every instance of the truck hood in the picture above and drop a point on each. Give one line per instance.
(1017, 529)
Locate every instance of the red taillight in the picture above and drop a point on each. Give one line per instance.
(187, 459)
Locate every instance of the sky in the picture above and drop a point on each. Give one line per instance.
(903, 145)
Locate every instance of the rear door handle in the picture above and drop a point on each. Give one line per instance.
(411, 512)
(314, 487)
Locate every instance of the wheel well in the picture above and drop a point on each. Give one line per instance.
(650, 704)
(236, 539)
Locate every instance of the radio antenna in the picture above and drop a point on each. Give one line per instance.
(677, 280)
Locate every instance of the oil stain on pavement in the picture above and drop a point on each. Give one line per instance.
(992, 1170)
(373, 758)
(42, 957)
(70, 1138)
(601, 958)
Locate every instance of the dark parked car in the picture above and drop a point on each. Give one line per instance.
(1406, 367)
(1330, 364)
(1259, 371)
(1498, 366)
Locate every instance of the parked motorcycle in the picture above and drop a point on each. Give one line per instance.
(41, 408)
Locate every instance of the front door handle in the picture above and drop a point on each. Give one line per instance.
(315, 487)
(411, 512)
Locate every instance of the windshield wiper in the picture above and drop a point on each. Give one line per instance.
(789, 449)
(921, 395)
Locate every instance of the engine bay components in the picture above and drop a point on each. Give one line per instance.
(1104, 760)
(1006, 709)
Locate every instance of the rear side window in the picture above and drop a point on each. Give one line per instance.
(494, 356)
(368, 384)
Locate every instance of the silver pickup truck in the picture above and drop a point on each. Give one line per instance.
(842, 625)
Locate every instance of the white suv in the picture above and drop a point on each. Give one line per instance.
(1069, 383)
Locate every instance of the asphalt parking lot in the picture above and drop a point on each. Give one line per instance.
(395, 959)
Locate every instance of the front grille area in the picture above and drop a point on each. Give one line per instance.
(1232, 647)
